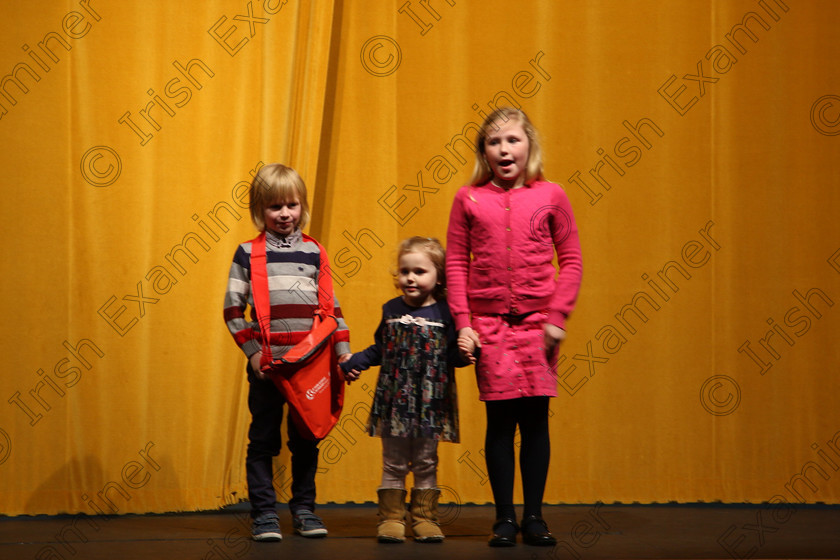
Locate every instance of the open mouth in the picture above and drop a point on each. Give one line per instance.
(505, 163)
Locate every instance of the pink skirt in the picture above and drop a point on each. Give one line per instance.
(513, 362)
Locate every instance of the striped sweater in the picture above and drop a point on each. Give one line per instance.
(292, 265)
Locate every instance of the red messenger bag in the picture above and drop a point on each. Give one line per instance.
(307, 374)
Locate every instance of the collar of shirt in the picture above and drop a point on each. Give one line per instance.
(283, 241)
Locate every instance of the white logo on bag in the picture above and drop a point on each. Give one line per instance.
(319, 387)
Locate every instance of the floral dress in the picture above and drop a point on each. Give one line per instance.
(415, 394)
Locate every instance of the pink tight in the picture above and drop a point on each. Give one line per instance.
(401, 455)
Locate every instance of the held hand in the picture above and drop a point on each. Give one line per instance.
(468, 341)
(255, 365)
(348, 376)
(554, 337)
(352, 375)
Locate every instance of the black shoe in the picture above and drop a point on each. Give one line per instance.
(504, 533)
(535, 532)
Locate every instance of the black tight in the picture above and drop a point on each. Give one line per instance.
(531, 415)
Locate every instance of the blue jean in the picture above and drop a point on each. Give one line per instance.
(266, 404)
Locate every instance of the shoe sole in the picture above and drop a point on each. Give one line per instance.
(268, 537)
(429, 539)
(312, 534)
(390, 540)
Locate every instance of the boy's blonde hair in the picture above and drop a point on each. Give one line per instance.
(534, 168)
(275, 183)
(432, 248)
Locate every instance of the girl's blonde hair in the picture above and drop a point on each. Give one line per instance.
(275, 183)
(432, 248)
(482, 173)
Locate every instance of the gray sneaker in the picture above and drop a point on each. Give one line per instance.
(266, 527)
(307, 524)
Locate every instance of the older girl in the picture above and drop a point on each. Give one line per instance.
(508, 298)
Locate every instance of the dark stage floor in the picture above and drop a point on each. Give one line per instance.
(583, 532)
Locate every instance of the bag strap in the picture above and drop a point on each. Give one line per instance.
(262, 301)
(326, 301)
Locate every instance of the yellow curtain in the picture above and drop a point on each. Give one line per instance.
(698, 143)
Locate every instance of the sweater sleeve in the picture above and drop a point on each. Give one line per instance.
(236, 301)
(567, 245)
(458, 260)
(342, 334)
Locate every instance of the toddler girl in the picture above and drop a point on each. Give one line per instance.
(415, 404)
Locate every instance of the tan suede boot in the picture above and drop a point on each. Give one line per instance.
(424, 515)
(391, 528)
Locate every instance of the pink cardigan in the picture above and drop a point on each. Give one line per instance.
(512, 236)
